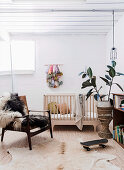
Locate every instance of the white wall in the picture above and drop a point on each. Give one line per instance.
(74, 52)
(119, 44)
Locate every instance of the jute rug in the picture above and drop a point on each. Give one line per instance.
(50, 154)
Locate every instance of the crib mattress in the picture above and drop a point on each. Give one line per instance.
(91, 115)
(66, 116)
(60, 116)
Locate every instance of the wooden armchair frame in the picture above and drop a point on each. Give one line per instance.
(27, 129)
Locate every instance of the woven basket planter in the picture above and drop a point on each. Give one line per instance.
(105, 117)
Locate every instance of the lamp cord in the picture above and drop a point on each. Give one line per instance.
(113, 27)
(12, 76)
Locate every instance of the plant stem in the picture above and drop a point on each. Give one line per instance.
(110, 89)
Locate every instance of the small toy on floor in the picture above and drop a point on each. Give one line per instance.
(99, 142)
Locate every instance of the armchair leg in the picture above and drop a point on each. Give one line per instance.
(29, 140)
(50, 125)
(2, 136)
(51, 132)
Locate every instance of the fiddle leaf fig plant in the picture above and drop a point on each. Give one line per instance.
(111, 73)
(90, 81)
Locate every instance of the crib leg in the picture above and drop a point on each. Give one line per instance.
(52, 127)
(95, 128)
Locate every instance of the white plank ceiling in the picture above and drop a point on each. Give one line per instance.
(59, 17)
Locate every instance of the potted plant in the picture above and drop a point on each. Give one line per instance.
(104, 107)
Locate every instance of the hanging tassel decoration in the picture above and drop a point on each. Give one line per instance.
(57, 69)
(50, 69)
(53, 76)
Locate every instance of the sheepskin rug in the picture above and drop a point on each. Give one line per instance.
(52, 154)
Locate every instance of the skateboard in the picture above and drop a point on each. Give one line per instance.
(100, 142)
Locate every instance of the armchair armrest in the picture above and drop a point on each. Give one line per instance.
(22, 116)
(38, 110)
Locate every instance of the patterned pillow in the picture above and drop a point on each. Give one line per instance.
(63, 108)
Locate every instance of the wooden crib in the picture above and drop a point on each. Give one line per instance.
(89, 111)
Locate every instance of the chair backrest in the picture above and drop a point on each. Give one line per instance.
(23, 98)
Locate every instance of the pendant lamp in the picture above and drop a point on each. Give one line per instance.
(113, 53)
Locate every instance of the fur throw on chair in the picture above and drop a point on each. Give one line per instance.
(11, 107)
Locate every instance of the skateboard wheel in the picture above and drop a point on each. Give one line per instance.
(88, 149)
(103, 146)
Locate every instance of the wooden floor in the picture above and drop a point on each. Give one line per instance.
(67, 132)
(70, 133)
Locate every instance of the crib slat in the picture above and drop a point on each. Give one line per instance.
(44, 103)
(67, 107)
(93, 107)
(86, 115)
(63, 108)
(57, 107)
(73, 106)
(73, 111)
(70, 107)
(54, 105)
(90, 108)
(60, 106)
(50, 105)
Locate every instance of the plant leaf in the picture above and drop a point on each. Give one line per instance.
(120, 74)
(89, 93)
(113, 63)
(108, 77)
(96, 97)
(89, 72)
(107, 82)
(112, 72)
(84, 75)
(119, 86)
(93, 81)
(86, 84)
(81, 73)
(102, 96)
(110, 67)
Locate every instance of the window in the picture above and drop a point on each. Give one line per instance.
(23, 57)
(5, 63)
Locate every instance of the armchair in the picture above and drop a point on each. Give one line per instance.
(27, 126)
